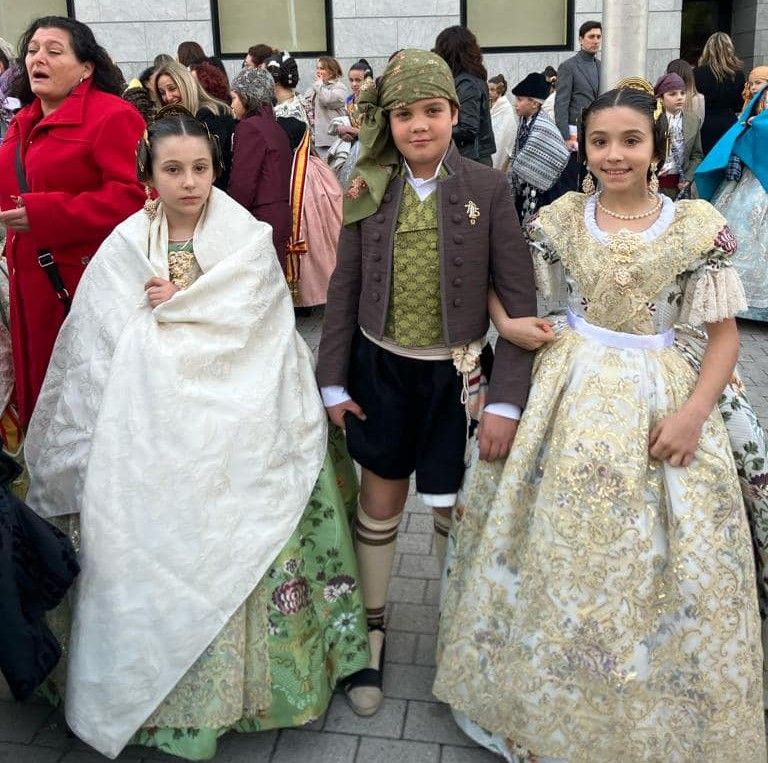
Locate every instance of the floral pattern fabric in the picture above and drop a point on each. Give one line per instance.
(744, 203)
(293, 107)
(600, 604)
(278, 659)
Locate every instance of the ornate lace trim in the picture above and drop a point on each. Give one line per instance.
(716, 295)
(665, 219)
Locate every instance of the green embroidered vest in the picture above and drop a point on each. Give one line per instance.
(414, 317)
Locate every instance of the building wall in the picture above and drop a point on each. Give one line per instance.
(749, 29)
(134, 31)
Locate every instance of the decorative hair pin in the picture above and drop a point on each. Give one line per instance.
(177, 110)
(172, 110)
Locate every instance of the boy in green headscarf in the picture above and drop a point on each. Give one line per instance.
(427, 234)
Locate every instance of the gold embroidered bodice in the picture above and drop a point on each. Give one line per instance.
(183, 268)
(631, 282)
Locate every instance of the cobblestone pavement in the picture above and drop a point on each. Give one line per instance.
(411, 727)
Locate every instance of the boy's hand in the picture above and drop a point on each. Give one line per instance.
(495, 436)
(336, 412)
(159, 290)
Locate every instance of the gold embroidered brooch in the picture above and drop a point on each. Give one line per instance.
(473, 211)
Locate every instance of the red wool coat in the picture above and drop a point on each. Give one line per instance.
(80, 164)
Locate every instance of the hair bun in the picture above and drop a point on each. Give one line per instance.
(283, 68)
(363, 66)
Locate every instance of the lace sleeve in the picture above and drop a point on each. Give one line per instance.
(714, 291)
(545, 258)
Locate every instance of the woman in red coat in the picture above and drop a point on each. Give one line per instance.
(261, 156)
(76, 142)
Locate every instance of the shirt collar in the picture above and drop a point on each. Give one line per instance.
(423, 181)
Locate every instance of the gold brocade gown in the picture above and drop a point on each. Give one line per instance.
(601, 605)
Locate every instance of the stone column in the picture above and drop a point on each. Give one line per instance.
(625, 40)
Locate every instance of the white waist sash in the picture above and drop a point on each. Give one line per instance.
(414, 353)
(619, 339)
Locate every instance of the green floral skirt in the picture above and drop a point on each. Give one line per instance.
(276, 662)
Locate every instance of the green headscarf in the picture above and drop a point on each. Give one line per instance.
(410, 76)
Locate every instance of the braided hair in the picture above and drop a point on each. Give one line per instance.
(631, 97)
(172, 122)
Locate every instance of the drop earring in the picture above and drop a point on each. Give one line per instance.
(653, 183)
(588, 184)
(150, 205)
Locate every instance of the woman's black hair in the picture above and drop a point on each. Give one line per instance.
(285, 72)
(641, 102)
(139, 98)
(146, 76)
(362, 66)
(4, 61)
(458, 47)
(501, 84)
(106, 75)
(174, 122)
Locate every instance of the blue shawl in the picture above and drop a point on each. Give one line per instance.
(748, 142)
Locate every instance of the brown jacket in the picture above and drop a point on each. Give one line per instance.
(492, 251)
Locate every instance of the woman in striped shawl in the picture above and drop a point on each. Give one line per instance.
(538, 154)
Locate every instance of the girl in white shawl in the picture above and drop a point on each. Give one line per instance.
(181, 440)
(503, 121)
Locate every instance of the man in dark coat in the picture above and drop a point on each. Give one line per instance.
(578, 84)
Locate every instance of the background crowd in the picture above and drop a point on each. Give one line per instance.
(320, 165)
(518, 136)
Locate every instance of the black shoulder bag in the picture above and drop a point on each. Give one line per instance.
(44, 256)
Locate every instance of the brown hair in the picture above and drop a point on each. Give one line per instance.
(190, 52)
(330, 63)
(174, 125)
(458, 47)
(682, 68)
(719, 55)
(501, 84)
(260, 53)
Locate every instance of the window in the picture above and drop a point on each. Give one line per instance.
(302, 27)
(502, 26)
(15, 15)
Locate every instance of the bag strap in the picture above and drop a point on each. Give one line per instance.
(44, 256)
(20, 176)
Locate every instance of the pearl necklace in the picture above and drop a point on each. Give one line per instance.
(655, 208)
